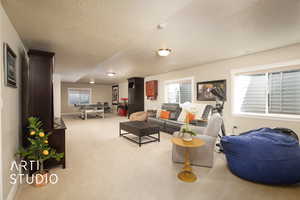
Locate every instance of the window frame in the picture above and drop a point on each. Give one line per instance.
(90, 93)
(266, 115)
(176, 81)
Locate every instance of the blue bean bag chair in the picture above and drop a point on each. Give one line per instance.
(263, 155)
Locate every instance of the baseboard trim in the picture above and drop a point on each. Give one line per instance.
(13, 191)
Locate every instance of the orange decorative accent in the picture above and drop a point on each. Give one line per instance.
(189, 117)
(164, 114)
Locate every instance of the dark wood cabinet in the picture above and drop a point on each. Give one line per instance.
(37, 99)
(37, 88)
(151, 89)
(135, 95)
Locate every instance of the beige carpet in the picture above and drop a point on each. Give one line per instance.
(101, 165)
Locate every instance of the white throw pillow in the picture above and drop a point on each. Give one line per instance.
(182, 116)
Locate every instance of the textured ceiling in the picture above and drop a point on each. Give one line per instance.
(93, 37)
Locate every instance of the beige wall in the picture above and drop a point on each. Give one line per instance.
(100, 93)
(123, 90)
(222, 70)
(11, 110)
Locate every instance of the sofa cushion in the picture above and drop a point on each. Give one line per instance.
(173, 108)
(164, 114)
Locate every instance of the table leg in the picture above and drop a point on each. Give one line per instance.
(140, 141)
(158, 136)
(186, 173)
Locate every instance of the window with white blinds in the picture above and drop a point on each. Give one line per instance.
(178, 91)
(79, 96)
(268, 93)
(284, 92)
(253, 88)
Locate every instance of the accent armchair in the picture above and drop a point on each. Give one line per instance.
(204, 155)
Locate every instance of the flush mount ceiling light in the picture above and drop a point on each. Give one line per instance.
(164, 52)
(111, 74)
(92, 81)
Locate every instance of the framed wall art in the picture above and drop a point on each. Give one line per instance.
(203, 89)
(115, 94)
(10, 72)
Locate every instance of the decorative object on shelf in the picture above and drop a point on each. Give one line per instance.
(115, 94)
(203, 89)
(10, 72)
(38, 150)
(151, 89)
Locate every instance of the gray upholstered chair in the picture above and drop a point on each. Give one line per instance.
(204, 155)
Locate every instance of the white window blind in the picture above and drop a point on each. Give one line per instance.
(179, 91)
(268, 93)
(253, 90)
(79, 96)
(284, 92)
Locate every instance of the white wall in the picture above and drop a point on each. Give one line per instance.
(100, 93)
(57, 95)
(11, 110)
(222, 70)
(123, 90)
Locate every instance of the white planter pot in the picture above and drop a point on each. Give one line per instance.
(187, 137)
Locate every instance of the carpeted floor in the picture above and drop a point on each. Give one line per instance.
(103, 166)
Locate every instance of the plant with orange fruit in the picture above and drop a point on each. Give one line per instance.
(38, 149)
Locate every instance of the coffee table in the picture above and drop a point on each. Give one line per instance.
(186, 173)
(140, 129)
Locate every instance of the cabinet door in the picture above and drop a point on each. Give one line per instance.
(41, 94)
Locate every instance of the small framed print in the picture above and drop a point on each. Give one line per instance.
(10, 72)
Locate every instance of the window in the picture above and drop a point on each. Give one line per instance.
(268, 93)
(79, 96)
(284, 92)
(179, 91)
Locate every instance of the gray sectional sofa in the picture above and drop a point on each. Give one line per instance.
(172, 125)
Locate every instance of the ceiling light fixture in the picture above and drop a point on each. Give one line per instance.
(164, 52)
(92, 81)
(111, 74)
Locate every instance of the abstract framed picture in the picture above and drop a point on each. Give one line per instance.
(115, 94)
(203, 89)
(10, 73)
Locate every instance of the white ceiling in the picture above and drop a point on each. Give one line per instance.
(93, 37)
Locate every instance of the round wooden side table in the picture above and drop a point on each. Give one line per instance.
(186, 173)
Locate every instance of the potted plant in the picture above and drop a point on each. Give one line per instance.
(38, 150)
(186, 131)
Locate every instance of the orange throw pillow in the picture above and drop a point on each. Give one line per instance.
(164, 114)
(190, 117)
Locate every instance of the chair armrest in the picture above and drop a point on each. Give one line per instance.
(197, 129)
(210, 141)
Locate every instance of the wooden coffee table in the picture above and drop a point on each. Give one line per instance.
(186, 173)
